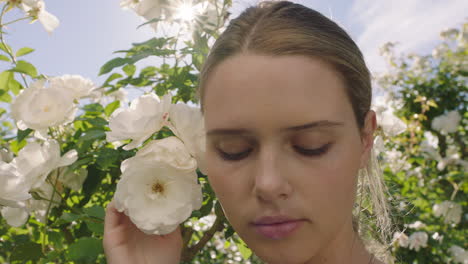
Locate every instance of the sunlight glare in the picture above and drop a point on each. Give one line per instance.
(185, 12)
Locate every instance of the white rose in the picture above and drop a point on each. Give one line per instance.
(451, 211)
(429, 146)
(417, 225)
(15, 216)
(145, 116)
(390, 124)
(459, 254)
(39, 108)
(418, 240)
(35, 161)
(187, 123)
(36, 9)
(5, 155)
(73, 179)
(169, 150)
(446, 123)
(401, 238)
(156, 196)
(39, 207)
(379, 145)
(12, 187)
(76, 84)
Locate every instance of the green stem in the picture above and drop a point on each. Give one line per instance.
(2, 40)
(14, 21)
(44, 228)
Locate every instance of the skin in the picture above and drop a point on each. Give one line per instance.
(124, 243)
(258, 107)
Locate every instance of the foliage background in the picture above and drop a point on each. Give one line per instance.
(421, 87)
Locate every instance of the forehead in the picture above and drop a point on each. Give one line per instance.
(274, 91)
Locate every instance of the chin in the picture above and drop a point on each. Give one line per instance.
(274, 258)
(283, 253)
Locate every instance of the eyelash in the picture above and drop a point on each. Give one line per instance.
(306, 152)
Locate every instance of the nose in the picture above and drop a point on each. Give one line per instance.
(271, 180)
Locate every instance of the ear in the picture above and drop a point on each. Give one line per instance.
(367, 137)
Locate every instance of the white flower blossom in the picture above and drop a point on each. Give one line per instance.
(459, 254)
(447, 123)
(35, 161)
(15, 217)
(76, 84)
(429, 146)
(13, 189)
(146, 115)
(148, 9)
(390, 124)
(18, 216)
(36, 9)
(187, 123)
(401, 238)
(396, 161)
(417, 225)
(39, 108)
(39, 207)
(379, 145)
(437, 237)
(156, 196)
(170, 150)
(417, 240)
(450, 211)
(119, 95)
(73, 179)
(6, 155)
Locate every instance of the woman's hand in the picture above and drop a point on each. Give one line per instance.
(125, 243)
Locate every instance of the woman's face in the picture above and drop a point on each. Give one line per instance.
(283, 152)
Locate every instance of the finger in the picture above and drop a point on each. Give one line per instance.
(112, 218)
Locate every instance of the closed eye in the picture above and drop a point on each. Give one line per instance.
(313, 152)
(306, 152)
(234, 156)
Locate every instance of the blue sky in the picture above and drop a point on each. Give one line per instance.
(90, 30)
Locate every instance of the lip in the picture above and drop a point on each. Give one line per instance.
(277, 227)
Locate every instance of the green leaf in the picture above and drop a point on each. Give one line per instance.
(154, 20)
(244, 250)
(4, 58)
(91, 183)
(5, 96)
(95, 227)
(69, 217)
(110, 108)
(129, 69)
(95, 211)
(6, 48)
(93, 109)
(114, 63)
(22, 134)
(5, 78)
(14, 86)
(26, 68)
(86, 249)
(113, 76)
(93, 134)
(24, 51)
(26, 251)
(107, 157)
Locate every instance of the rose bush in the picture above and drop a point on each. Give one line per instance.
(69, 146)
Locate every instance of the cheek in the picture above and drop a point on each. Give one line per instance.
(329, 184)
(227, 182)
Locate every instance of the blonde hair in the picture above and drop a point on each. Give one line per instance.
(283, 28)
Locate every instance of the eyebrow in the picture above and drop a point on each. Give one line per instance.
(243, 131)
